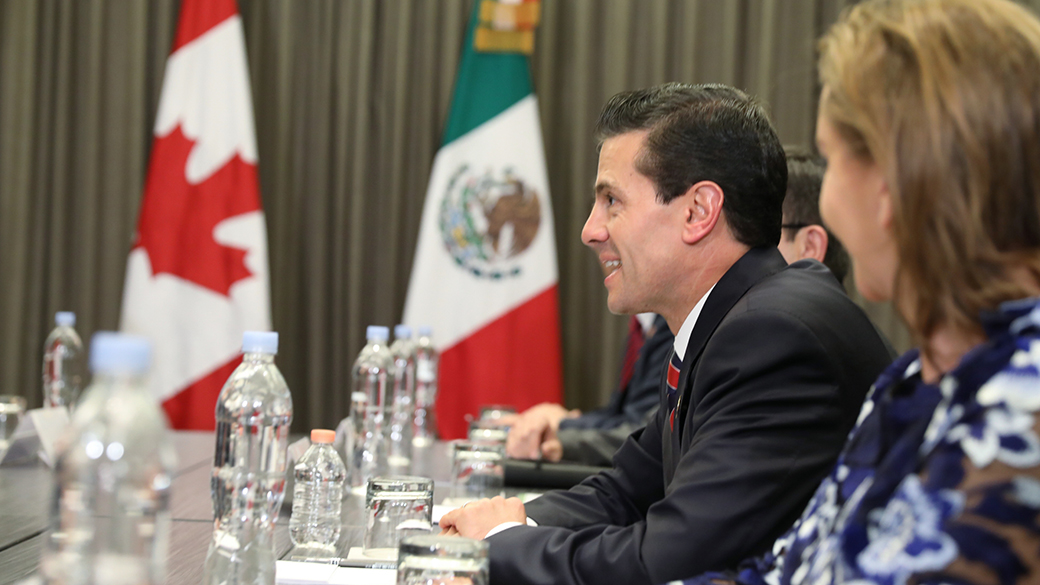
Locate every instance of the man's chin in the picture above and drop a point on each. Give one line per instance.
(617, 307)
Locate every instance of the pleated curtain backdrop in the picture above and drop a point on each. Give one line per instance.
(351, 98)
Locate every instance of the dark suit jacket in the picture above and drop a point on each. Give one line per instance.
(773, 378)
(595, 436)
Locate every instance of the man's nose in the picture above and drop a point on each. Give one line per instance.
(594, 231)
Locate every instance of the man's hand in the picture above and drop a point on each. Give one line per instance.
(475, 519)
(535, 426)
(552, 450)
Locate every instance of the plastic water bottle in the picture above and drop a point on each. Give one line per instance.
(253, 414)
(372, 372)
(402, 403)
(426, 357)
(110, 510)
(317, 496)
(63, 366)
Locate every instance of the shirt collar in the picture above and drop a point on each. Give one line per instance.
(682, 338)
(646, 321)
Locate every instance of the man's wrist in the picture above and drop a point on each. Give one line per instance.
(507, 525)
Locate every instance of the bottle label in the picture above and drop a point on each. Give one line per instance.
(425, 371)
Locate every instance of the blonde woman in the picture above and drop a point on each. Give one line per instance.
(930, 124)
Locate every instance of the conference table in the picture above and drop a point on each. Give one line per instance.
(25, 493)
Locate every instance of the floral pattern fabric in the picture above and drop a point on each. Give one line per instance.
(936, 484)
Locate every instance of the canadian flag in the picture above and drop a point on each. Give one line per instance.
(197, 274)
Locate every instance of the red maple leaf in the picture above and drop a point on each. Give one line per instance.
(177, 218)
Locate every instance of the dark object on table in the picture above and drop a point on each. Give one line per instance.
(544, 474)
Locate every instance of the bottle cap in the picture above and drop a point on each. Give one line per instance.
(377, 333)
(402, 332)
(323, 436)
(425, 330)
(113, 352)
(260, 342)
(65, 319)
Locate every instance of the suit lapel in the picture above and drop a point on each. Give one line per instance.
(755, 265)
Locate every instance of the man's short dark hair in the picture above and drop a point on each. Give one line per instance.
(707, 132)
(802, 205)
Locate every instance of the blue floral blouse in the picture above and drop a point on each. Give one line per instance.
(937, 484)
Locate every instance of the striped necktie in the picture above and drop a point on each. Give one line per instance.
(674, 365)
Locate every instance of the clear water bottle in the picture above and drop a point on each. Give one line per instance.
(253, 414)
(317, 496)
(426, 356)
(63, 363)
(402, 403)
(372, 372)
(110, 508)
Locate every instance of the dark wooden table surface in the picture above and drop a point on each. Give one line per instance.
(25, 493)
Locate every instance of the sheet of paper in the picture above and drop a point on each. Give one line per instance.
(354, 576)
(50, 423)
(296, 573)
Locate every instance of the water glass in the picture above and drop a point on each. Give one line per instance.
(493, 412)
(477, 470)
(11, 410)
(426, 560)
(396, 507)
(488, 430)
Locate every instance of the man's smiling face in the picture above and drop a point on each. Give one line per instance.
(631, 232)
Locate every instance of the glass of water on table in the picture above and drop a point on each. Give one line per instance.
(442, 560)
(396, 507)
(477, 470)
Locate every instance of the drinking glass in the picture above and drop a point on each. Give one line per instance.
(11, 410)
(396, 506)
(495, 411)
(477, 470)
(488, 430)
(442, 560)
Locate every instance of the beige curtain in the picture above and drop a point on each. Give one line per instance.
(351, 98)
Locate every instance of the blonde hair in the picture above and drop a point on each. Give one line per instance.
(944, 95)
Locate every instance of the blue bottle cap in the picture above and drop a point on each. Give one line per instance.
(402, 332)
(377, 333)
(119, 353)
(425, 331)
(260, 342)
(65, 319)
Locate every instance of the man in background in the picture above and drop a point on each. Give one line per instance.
(551, 432)
(802, 233)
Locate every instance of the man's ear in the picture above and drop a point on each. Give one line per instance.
(813, 242)
(702, 208)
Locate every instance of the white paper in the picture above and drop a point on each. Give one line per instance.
(295, 573)
(442, 509)
(355, 576)
(50, 424)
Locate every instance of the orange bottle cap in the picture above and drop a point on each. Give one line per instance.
(323, 436)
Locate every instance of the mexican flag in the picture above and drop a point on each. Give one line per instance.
(197, 277)
(485, 276)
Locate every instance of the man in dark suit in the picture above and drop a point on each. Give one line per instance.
(770, 366)
(551, 432)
